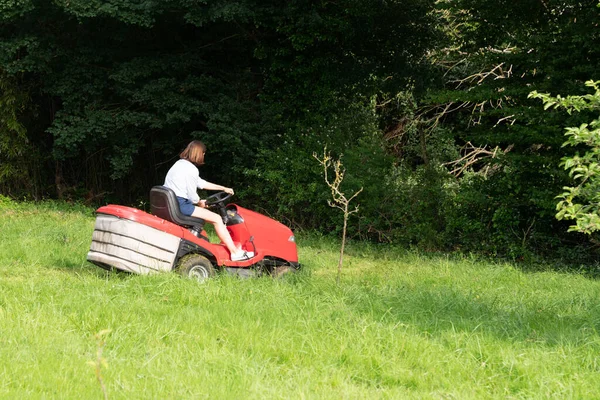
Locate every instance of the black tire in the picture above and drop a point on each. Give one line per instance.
(195, 266)
(282, 271)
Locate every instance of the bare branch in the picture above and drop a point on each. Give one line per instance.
(473, 155)
(496, 72)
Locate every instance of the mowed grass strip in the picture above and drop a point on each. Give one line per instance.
(399, 325)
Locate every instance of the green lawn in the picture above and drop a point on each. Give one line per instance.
(398, 326)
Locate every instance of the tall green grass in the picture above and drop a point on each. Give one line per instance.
(399, 325)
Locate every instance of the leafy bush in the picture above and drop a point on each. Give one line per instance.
(580, 203)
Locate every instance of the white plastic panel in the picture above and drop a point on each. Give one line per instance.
(131, 246)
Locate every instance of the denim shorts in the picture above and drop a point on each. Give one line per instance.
(185, 206)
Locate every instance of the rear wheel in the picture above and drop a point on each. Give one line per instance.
(196, 266)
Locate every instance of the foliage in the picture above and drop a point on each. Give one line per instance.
(125, 85)
(493, 57)
(582, 202)
(6, 201)
(426, 99)
(14, 146)
(288, 182)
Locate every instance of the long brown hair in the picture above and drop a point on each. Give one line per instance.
(194, 152)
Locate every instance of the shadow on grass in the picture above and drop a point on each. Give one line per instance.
(443, 310)
(88, 269)
(583, 261)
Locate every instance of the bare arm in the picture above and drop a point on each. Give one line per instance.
(214, 186)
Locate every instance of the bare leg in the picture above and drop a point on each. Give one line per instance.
(220, 227)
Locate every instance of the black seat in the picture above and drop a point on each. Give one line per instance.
(164, 204)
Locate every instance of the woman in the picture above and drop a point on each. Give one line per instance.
(184, 179)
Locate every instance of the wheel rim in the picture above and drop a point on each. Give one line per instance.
(198, 272)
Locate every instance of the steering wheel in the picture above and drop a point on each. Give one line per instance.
(217, 199)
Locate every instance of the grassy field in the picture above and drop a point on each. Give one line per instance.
(398, 326)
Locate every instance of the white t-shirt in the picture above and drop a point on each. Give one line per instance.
(184, 179)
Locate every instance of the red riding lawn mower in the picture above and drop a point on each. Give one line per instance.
(128, 239)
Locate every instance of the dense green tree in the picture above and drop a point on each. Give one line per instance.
(18, 172)
(509, 168)
(581, 202)
(426, 100)
(124, 85)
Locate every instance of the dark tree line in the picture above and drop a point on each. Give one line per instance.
(426, 100)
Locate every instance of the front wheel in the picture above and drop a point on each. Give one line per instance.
(195, 266)
(275, 267)
(282, 271)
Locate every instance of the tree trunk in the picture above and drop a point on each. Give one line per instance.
(339, 274)
(59, 181)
